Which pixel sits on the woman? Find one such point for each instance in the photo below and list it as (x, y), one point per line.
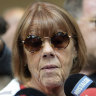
(48, 46)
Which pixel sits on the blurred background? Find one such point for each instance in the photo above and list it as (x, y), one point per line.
(7, 4)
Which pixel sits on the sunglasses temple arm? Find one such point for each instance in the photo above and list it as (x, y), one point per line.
(23, 41)
(70, 36)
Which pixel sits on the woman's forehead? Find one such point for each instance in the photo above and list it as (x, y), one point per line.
(46, 24)
(43, 30)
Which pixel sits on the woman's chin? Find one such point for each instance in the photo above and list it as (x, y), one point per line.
(51, 83)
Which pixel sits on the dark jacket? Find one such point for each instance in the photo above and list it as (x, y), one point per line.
(5, 61)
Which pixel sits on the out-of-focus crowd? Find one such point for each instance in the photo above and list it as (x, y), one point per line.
(8, 24)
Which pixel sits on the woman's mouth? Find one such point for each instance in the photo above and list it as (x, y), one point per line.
(49, 67)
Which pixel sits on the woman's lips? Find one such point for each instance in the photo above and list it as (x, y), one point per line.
(49, 67)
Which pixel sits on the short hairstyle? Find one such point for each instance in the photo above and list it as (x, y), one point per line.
(49, 18)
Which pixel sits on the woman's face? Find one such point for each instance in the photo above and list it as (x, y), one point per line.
(88, 25)
(50, 66)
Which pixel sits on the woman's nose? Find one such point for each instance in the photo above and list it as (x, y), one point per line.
(48, 51)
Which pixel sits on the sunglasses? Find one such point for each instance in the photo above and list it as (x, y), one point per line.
(34, 43)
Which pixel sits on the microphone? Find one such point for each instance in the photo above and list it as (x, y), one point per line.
(29, 92)
(77, 83)
(89, 92)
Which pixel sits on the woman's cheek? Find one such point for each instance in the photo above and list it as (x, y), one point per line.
(33, 64)
(66, 67)
(66, 60)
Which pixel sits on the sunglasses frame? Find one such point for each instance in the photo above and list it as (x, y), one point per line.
(42, 39)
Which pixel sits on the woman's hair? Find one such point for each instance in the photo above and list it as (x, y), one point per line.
(43, 19)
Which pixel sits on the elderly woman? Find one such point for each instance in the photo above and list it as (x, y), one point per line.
(48, 46)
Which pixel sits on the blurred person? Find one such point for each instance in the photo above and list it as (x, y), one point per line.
(12, 16)
(74, 7)
(5, 57)
(3, 26)
(48, 47)
(87, 24)
(88, 28)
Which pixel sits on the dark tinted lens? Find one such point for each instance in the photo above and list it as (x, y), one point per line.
(60, 40)
(33, 43)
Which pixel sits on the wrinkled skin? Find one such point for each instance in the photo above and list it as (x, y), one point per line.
(50, 81)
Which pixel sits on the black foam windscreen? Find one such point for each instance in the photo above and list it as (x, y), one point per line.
(29, 92)
(77, 83)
